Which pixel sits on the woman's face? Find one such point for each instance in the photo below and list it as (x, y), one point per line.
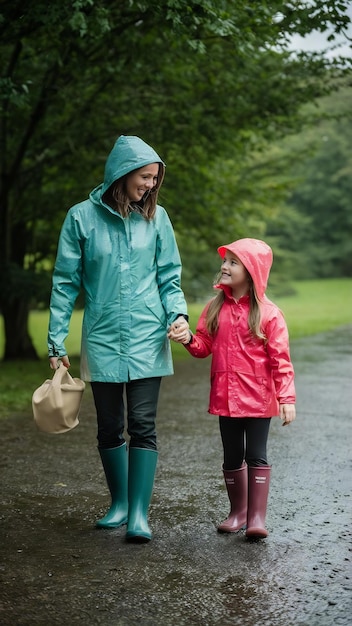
(141, 180)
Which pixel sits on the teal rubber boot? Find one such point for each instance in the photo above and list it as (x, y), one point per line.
(142, 466)
(115, 464)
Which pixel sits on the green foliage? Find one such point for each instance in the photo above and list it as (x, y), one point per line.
(325, 196)
(202, 81)
(314, 225)
(26, 281)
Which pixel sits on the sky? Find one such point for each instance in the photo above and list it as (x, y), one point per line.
(317, 42)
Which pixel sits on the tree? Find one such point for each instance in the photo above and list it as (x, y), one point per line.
(196, 78)
(313, 223)
(324, 196)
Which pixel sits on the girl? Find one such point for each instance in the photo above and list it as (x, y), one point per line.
(252, 377)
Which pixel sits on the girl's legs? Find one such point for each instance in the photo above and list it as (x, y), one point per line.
(257, 431)
(245, 438)
(235, 473)
(232, 432)
(258, 476)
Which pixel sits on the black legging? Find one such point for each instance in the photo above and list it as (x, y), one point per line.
(244, 438)
(142, 400)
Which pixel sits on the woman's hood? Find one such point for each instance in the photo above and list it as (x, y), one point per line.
(256, 256)
(129, 153)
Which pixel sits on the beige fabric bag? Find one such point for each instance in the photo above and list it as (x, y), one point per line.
(56, 402)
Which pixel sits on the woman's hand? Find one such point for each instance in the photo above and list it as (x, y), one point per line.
(287, 413)
(179, 330)
(184, 338)
(54, 361)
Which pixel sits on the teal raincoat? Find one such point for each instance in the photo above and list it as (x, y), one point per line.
(130, 273)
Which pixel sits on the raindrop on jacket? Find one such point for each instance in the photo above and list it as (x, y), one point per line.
(130, 273)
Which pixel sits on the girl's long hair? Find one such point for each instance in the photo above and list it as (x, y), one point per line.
(254, 317)
(116, 197)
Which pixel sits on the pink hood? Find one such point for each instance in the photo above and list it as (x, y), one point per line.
(256, 256)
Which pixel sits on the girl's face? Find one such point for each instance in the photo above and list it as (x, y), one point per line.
(234, 274)
(141, 180)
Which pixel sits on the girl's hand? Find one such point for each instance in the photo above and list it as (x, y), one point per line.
(287, 413)
(54, 361)
(185, 338)
(179, 330)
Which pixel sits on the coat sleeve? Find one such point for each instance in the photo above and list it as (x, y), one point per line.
(202, 343)
(169, 269)
(280, 361)
(66, 284)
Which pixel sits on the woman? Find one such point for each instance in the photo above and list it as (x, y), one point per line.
(120, 248)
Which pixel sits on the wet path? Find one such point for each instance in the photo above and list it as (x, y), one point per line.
(57, 569)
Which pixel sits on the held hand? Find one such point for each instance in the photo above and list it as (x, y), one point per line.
(287, 413)
(180, 323)
(185, 338)
(54, 361)
(179, 330)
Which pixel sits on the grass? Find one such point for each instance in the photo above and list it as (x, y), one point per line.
(317, 306)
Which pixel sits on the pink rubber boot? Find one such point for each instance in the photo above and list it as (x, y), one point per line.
(236, 482)
(258, 490)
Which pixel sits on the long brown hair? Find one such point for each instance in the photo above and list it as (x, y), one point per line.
(116, 197)
(254, 317)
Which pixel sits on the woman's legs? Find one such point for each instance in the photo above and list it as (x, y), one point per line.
(108, 399)
(142, 401)
(131, 489)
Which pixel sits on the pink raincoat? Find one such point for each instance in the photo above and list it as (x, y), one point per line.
(249, 377)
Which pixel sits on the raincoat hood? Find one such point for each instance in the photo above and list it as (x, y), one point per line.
(129, 153)
(256, 256)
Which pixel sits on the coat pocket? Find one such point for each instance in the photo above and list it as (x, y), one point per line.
(156, 308)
